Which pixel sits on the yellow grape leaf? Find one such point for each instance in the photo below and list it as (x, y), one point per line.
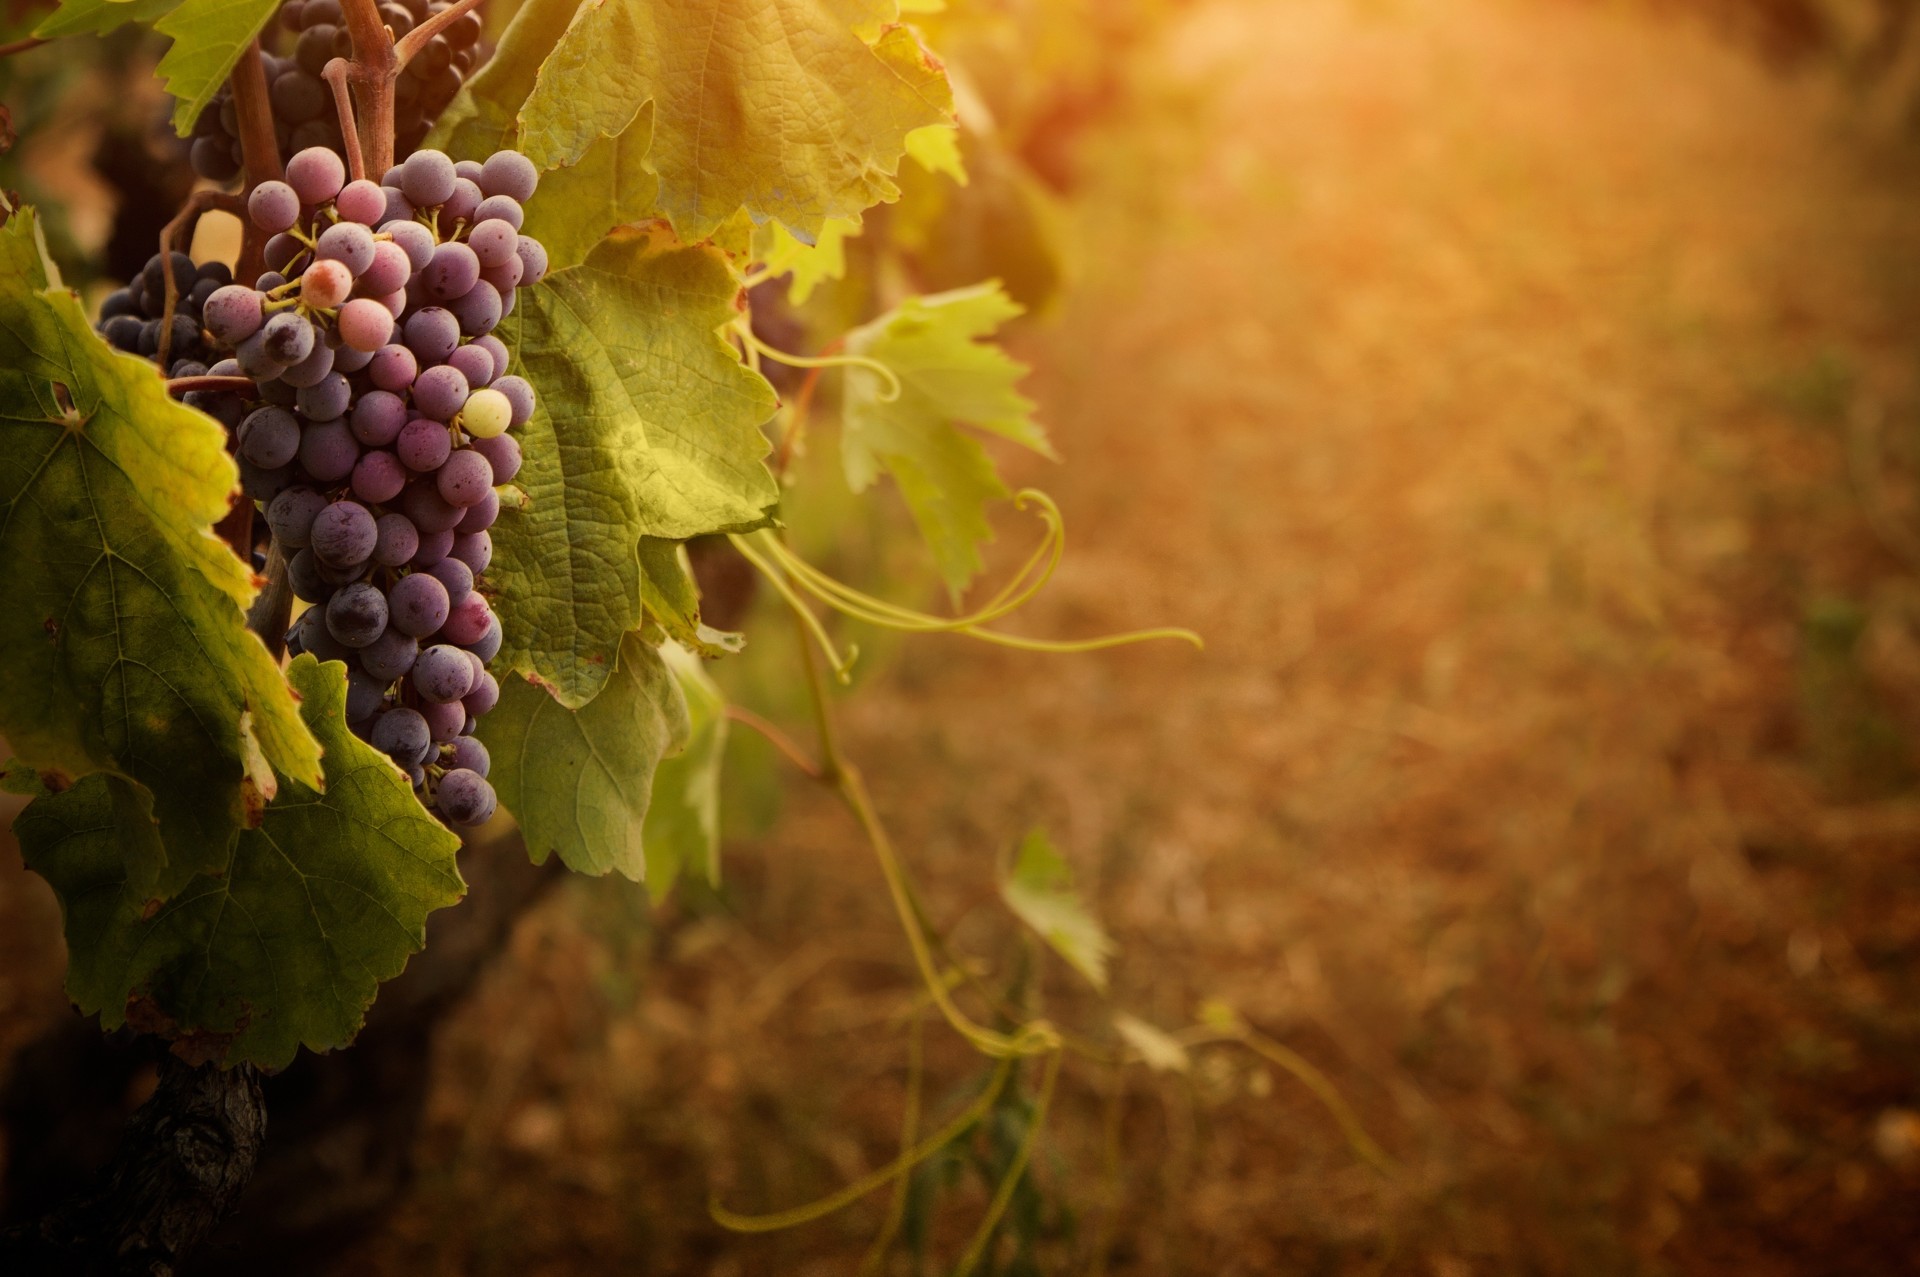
(1160, 1052)
(1040, 893)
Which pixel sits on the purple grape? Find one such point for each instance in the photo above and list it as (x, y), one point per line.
(278, 393)
(441, 674)
(469, 169)
(415, 240)
(365, 324)
(402, 734)
(234, 313)
(479, 668)
(492, 241)
(431, 333)
(261, 483)
(433, 548)
(365, 695)
(423, 445)
(287, 338)
(419, 604)
(475, 549)
(467, 620)
(487, 646)
(503, 208)
(362, 202)
(465, 798)
(343, 534)
(478, 310)
(443, 721)
(348, 243)
(399, 207)
(480, 515)
(347, 359)
(519, 394)
(498, 349)
(453, 270)
(511, 174)
(393, 368)
(326, 398)
(343, 575)
(316, 175)
(460, 205)
(468, 754)
(273, 207)
(423, 504)
(357, 614)
(439, 392)
(456, 576)
(395, 302)
(463, 480)
(253, 360)
(269, 437)
(533, 256)
(378, 477)
(392, 176)
(281, 252)
(389, 273)
(475, 363)
(484, 695)
(326, 283)
(311, 370)
(390, 656)
(427, 178)
(303, 574)
(379, 415)
(505, 277)
(503, 453)
(291, 515)
(398, 540)
(268, 281)
(328, 451)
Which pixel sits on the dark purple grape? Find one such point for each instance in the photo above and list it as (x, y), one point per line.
(399, 207)
(398, 541)
(423, 504)
(378, 417)
(390, 271)
(478, 310)
(343, 534)
(503, 453)
(533, 256)
(273, 207)
(402, 735)
(123, 332)
(415, 240)
(475, 363)
(312, 370)
(419, 604)
(318, 640)
(475, 549)
(348, 243)
(480, 515)
(393, 368)
(511, 174)
(467, 754)
(298, 97)
(212, 158)
(312, 52)
(431, 333)
(487, 646)
(390, 656)
(269, 437)
(483, 696)
(261, 483)
(365, 695)
(277, 393)
(291, 515)
(253, 360)
(347, 359)
(281, 252)
(378, 477)
(423, 445)
(303, 574)
(456, 576)
(325, 399)
(505, 277)
(443, 721)
(441, 674)
(357, 614)
(465, 798)
(461, 204)
(454, 269)
(328, 451)
(498, 349)
(439, 392)
(519, 394)
(288, 338)
(427, 177)
(463, 480)
(316, 174)
(233, 313)
(362, 202)
(467, 620)
(433, 547)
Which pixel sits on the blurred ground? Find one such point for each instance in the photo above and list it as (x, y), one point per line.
(1520, 399)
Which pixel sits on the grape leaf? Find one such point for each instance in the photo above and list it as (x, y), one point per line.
(123, 637)
(672, 599)
(947, 378)
(809, 265)
(778, 106)
(1040, 892)
(77, 17)
(936, 148)
(287, 945)
(661, 439)
(1161, 1052)
(579, 780)
(682, 831)
(208, 36)
(1002, 224)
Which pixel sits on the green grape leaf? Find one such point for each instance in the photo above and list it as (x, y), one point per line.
(208, 36)
(579, 780)
(98, 17)
(672, 599)
(1161, 1052)
(1040, 892)
(287, 945)
(124, 634)
(1003, 224)
(809, 265)
(947, 378)
(682, 831)
(662, 438)
(936, 149)
(797, 110)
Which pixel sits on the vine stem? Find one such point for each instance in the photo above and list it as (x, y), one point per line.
(183, 385)
(267, 618)
(373, 70)
(337, 73)
(410, 44)
(170, 236)
(21, 46)
(777, 738)
(259, 150)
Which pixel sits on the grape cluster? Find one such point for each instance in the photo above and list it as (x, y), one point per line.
(384, 429)
(303, 111)
(132, 318)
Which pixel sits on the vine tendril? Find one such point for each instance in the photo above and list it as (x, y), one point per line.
(889, 392)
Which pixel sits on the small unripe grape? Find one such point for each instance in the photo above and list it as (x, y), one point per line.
(326, 284)
(487, 414)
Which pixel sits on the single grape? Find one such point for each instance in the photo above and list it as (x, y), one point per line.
(502, 208)
(315, 174)
(233, 313)
(365, 695)
(348, 243)
(269, 280)
(511, 174)
(357, 614)
(415, 240)
(468, 754)
(431, 333)
(505, 277)
(433, 547)
(469, 169)
(328, 451)
(456, 576)
(281, 252)
(316, 638)
(123, 332)
(392, 176)
(303, 574)
(389, 273)
(291, 515)
(273, 207)
(399, 208)
(479, 310)
(498, 349)
(461, 204)
(343, 575)
(423, 504)
(533, 256)
(493, 241)
(487, 646)
(454, 269)
(465, 798)
(402, 734)
(269, 437)
(311, 52)
(467, 620)
(253, 360)
(423, 445)
(326, 398)
(298, 97)
(277, 393)
(441, 674)
(502, 452)
(393, 368)
(212, 158)
(463, 480)
(312, 370)
(439, 392)
(482, 697)
(377, 418)
(365, 324)
(519, 394)
(427, 178)
(480, 515)
(288, 338)
(362, 202)
(486, 414)
(378, 477)
(419, 604)
(395, 302)
(398, 541)
(119, 302)
(343, 534)
(326, 283)
(475, 363)
(444, 721)
(390, 656)
(475, 549)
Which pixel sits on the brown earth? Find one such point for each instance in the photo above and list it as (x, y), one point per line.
(1518, 397)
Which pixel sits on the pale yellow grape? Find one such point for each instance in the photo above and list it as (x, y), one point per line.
(486, 414)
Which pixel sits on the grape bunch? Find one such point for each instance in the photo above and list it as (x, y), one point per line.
(384, 428)
(132, 318)
(303, 111)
